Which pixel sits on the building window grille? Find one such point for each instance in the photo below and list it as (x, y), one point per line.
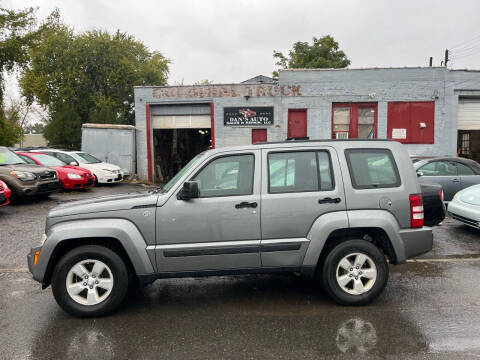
(465, 144)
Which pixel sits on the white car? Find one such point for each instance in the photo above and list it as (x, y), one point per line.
(465, 206)
(104, 172)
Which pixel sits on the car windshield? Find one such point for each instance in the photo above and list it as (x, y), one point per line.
(47, 160)
(87, 158)
(8, 157)
(174, 180)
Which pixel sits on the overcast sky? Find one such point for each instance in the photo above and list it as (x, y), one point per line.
(230, 41)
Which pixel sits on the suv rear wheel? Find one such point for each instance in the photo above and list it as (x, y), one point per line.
(354, 272)
(90, 281)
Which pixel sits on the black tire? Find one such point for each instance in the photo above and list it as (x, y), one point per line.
(329, 272)
(94, 252)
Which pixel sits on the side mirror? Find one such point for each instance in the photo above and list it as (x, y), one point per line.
(419, 173)
(189, 191)
(74, 163)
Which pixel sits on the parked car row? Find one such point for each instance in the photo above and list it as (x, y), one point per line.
(40, 172)
(460, 181)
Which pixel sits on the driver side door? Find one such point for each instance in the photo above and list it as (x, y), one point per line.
(219, 230)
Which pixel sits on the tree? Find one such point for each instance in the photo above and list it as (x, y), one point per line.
(10, 128)
(87, 77)
(17, 34)
(323, 53)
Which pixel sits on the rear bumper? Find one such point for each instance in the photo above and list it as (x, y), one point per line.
(417, 241)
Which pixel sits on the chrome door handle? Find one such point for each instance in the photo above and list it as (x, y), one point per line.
(456, 180)
(329, 200)
(245, 204)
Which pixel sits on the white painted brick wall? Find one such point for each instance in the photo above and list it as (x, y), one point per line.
(320, 88)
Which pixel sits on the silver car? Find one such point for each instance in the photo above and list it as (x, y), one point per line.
(453, 173)
(465, 206)
(336, 211)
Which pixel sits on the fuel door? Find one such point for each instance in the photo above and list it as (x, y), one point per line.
(385, 203)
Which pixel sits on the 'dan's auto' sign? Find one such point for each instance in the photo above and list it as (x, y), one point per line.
(248, 116)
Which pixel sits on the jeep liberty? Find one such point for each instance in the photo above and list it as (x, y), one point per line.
(335, 210)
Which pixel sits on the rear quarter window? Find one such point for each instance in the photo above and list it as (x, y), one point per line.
(372, 168)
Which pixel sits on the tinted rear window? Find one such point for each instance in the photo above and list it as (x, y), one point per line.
(372, 168)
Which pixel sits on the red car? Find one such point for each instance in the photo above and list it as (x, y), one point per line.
(5, 193)
(71, 177)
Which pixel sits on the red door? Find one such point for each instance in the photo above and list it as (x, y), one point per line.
(259, 135)
(297, 123)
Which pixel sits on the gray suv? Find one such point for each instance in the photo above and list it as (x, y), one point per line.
(337, 211)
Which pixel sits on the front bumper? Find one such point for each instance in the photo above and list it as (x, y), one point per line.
(82, 183)
(465, 213)
(417, 241)
(37, 270)
(110, 178)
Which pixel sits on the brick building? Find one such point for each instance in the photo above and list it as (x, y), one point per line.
(433, 110)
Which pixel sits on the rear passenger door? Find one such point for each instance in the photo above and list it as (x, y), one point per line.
(298, 186)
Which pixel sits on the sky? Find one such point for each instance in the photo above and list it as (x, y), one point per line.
(228, 41)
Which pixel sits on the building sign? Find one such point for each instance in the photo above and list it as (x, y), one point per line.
(399, 134)
(248, 116)
(213, 91)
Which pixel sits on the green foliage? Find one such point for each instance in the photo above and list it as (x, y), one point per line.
(323, 53)
(17, 34)
(87, 77)
(203, 82)
(10, 128)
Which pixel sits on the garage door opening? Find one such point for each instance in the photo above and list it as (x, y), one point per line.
(173, 148)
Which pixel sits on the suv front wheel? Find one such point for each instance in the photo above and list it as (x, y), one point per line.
(90, 281)
(354, 272)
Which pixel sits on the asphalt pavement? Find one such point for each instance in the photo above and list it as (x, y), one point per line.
(430, 308)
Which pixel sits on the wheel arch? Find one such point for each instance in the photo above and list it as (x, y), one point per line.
(69, 244)
(119, 235)
(376, 226)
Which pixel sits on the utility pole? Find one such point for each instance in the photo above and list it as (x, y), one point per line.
(446, 57)
(431, 61)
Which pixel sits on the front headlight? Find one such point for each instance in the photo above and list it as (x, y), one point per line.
(23, 175)
(73, 176)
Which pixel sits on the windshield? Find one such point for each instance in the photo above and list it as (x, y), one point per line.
(174, 180)
(47, 160)
(87, 158)
(8, 157)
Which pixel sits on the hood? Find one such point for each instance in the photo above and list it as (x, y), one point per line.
(100, 166)
(105, 203)
(36, 169)
(71, 169)
(471, 195)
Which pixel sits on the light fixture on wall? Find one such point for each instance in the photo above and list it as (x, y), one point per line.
(247, 97)
(436, 94)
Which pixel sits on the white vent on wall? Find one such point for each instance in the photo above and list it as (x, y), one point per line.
(341, 135)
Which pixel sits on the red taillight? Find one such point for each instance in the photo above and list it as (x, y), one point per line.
(440, 194)
(416, 210)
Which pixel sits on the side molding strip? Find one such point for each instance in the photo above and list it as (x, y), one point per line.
(229, 247)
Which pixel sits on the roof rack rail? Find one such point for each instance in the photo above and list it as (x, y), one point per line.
(297, 138)
(319, 140)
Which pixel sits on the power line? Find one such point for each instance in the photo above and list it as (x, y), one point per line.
(477, 37)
